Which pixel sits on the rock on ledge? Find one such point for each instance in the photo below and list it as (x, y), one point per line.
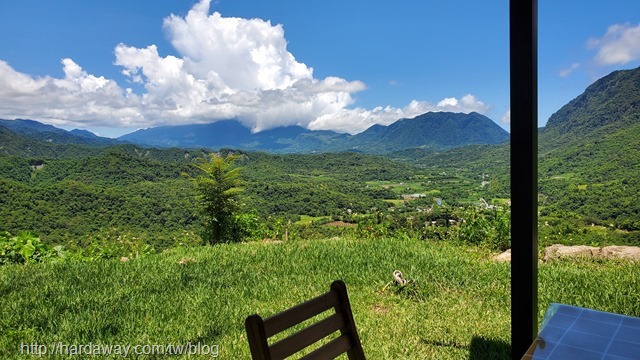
(558, 251)
(621, 252)
(504, 257)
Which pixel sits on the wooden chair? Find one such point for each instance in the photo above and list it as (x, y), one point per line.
(259, 330)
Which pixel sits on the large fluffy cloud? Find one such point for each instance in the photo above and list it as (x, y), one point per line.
(618, 46)
(230, 68)
(224, 68)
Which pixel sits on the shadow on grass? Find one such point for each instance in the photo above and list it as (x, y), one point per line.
(450, 344)
(485, 349)
(479, 349)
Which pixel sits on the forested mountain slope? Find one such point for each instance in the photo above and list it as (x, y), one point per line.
(610, 104)
(590, 153)
(589, 156)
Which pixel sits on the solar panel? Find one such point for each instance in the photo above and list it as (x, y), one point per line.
(570, 332)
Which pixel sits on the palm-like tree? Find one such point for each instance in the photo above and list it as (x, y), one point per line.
(219, 185)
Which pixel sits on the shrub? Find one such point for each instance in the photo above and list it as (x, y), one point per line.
(27, 248)
(489, 229)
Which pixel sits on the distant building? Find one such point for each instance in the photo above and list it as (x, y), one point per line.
(413, 196)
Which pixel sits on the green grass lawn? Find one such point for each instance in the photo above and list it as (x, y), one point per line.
(458, 307)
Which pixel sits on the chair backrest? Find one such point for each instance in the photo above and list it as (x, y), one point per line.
(260, 330)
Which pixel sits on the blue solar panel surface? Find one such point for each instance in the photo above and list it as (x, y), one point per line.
(570, 332)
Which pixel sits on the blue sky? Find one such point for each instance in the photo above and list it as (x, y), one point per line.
(113, 66)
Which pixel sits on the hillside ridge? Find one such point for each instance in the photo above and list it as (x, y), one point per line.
(437, 130)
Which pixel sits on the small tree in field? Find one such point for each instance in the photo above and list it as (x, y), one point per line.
(219, 185)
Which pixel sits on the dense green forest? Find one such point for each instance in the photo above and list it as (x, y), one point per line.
(67, 196)
(110, 201)
(126, 200)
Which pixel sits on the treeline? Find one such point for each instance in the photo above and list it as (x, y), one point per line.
(144, 193)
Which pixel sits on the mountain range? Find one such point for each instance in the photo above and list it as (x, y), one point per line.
(43, 132)
(435, 131)
(441, 130)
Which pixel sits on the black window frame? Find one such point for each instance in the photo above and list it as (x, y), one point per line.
(523, 55)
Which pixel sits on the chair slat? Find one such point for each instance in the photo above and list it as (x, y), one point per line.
(330, 350)
(303, 338)
(300, 313)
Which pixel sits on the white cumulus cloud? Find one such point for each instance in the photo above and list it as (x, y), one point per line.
(247, 54)
(506, 117)
(618, 46)
(224, 68)
(78, 96)
(566, 72)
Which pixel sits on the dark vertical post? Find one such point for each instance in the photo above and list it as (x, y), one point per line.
(523, 38)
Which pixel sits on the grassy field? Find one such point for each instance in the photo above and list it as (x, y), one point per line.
(456, 308)
(307, 220)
